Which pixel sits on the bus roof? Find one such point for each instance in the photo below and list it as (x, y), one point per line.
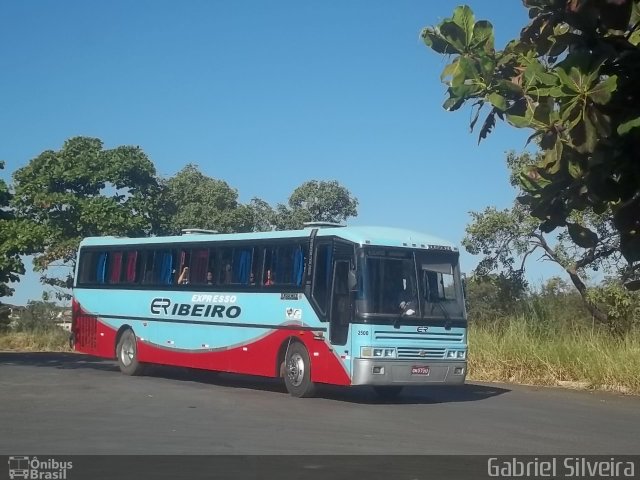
(378, 236)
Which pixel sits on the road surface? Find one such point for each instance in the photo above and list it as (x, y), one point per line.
(64, 403)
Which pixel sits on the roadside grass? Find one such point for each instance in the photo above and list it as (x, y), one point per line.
(49, 340)
(518, 351)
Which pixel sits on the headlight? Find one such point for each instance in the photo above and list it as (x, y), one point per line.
(375, 352)
(459, 354)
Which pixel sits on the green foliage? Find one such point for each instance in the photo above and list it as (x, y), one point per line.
(263, 216)
(572, 79)
(317, 201)
(5, 310)
(588, 243)
(621, 305)
(199, 201)
(15, 240)
(39, 315)
(493, 297)
(84, 190)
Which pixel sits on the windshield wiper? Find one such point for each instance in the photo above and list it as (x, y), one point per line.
(445, 313)
(407, 311)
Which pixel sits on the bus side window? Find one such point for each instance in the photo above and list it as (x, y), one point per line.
(146, 267)
(211, 267)
(88, 267)
(226, 261)
(256, 267)
(184, 259)
(269, 271)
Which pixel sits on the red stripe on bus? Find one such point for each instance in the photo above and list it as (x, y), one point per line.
(257, 358)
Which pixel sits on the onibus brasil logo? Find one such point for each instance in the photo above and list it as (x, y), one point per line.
(38, 469)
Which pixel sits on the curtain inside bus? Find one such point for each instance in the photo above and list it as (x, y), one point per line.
(242, 265)
(132, 258)
(199, 265)
(115, 267)
(102, 267)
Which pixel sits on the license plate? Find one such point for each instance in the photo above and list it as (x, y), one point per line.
(419, 370)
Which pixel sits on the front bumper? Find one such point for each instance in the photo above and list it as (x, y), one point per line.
(398, 372)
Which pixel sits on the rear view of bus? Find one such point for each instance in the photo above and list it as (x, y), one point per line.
(335, 305)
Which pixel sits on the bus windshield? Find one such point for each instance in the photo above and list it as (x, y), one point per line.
(413, 284)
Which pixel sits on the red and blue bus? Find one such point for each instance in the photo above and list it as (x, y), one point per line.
(322, 305)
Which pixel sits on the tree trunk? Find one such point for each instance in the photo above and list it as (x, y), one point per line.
(598, 314)
(572, 271)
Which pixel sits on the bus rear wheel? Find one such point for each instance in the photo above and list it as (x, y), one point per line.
(127, 354)
(387, 392)
(297, 371)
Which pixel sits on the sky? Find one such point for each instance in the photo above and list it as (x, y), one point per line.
(263, 95)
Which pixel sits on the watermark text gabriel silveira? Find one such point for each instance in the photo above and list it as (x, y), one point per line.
(560, 467)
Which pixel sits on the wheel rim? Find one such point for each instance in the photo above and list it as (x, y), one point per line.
(128, 351)
(295, 369)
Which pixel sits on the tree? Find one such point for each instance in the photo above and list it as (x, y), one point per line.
(508, 238)
(621, 306)
(572, 79)
(494, 296)
(39, 315)
(84, 190)
(199, 201)
(263, 215)
(316, 201)
(15, 240)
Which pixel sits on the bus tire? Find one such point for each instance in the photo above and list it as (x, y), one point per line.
(388, 392)
(127, 354)
(297, 371)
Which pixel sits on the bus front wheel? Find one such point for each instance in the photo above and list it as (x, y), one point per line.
(127, 354)
(297, 371)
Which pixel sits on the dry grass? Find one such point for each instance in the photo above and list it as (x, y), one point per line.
(586, 359)
(35, 341)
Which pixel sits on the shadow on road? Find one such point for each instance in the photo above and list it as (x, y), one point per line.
(364, 395)
(65, 360)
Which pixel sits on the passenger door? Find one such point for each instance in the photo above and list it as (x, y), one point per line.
(340, 310)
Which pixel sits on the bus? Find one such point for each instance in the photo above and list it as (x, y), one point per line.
(326, 304)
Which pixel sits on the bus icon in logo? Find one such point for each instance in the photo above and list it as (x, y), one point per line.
(18, 467)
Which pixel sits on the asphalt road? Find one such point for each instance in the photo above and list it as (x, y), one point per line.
(75, 404)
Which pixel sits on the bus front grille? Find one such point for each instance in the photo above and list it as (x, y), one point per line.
(418, 353)
(448, 337)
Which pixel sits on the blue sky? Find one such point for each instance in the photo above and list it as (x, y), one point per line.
(264, 95)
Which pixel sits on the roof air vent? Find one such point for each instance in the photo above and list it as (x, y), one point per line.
(322, 225)
(189, 231)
